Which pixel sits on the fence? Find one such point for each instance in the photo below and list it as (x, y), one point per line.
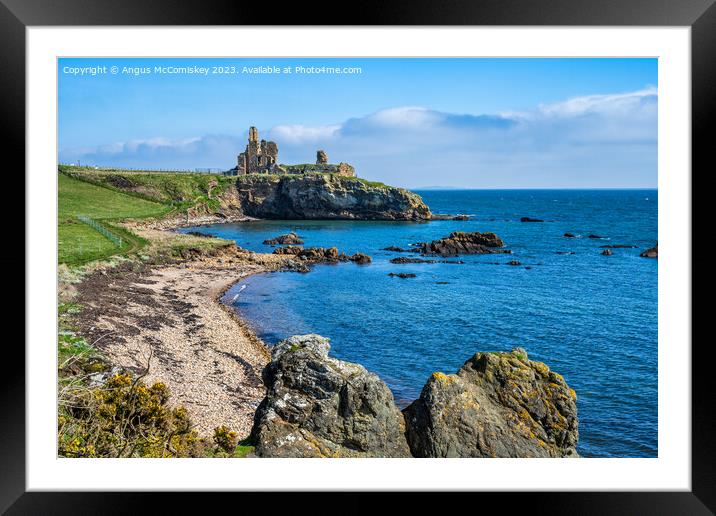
(101, 229)
(203, 170)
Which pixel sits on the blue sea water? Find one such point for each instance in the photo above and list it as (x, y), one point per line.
(590, 317)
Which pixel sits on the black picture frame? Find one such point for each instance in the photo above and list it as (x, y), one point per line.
(700, 15)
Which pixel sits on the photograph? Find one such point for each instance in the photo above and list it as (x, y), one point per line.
(357, 257)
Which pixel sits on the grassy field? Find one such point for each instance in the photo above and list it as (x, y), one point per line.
(78, 242)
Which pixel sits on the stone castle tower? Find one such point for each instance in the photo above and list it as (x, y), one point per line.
(259, 157)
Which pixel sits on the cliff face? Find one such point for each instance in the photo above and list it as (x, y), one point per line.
(316, 196)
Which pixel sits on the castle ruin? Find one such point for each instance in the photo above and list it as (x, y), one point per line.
(258, 158)
(261, 157)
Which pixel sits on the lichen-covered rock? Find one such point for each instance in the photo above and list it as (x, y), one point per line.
(497, 405)
(326, 196)
(461, 242)
(317, 406)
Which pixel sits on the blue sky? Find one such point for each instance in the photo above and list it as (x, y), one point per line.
(474, 123)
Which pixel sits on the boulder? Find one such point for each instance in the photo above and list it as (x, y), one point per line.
(318, 406)
(288, 239)
(652, 252)
(361, 258)
(607, 252)
(461, 242)
(497, 405)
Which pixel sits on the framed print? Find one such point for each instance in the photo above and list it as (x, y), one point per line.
(418, 252)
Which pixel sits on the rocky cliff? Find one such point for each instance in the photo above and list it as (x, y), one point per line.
(497, 405)
(325, 196)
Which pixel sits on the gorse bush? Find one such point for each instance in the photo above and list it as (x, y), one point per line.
(125, 418)
(225, 439)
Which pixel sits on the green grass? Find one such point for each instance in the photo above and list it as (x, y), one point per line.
(81, 198)
(177, 190)
(78, 243)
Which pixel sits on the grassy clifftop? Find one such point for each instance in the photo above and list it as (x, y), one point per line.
(178, 190)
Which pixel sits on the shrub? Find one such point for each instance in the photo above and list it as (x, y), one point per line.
(225, 439)
(124, 418)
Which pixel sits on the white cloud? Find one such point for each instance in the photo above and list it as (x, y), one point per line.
(302, 133)
(619, 104)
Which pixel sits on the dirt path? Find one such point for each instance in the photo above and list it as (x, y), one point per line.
(209, 359)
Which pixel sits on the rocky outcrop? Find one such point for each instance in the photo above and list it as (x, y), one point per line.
(288, 239)
(322, 255)
(652, 252)
(460, 242)
(361, 259)
(317, 406)
(325, 196)
(497, 405)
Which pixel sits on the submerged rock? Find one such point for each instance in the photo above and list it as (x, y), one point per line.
(607, 252)
(596, 236)
(652, 252)
(530, 219)
(497, 405)
(403, 259)
(569, 235)
(461, 242)
(402, 274)
(514, 262)
(288, 239)
(317, 406)
(397, 249)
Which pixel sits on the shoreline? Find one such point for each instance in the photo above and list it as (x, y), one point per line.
(170, 316)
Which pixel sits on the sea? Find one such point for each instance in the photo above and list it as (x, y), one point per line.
(590, 317)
